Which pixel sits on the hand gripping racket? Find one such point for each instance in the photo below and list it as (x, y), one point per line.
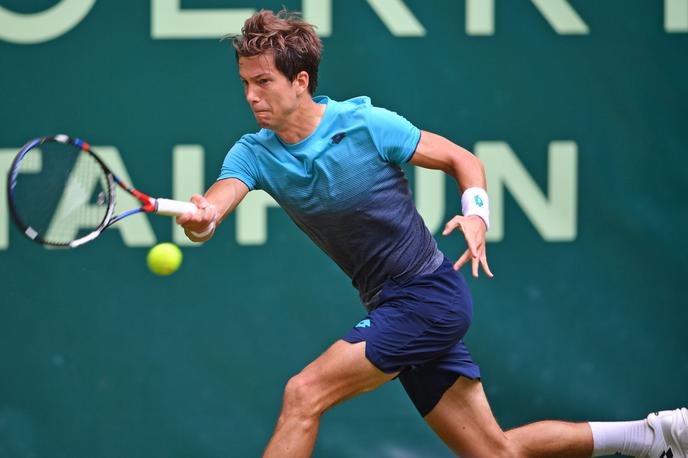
(71, 200)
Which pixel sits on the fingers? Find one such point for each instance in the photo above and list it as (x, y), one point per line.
(448, 227)
(200, 201)
(459, 222)
(486, 268)
(473, 246)
(473, 229)
(201, 220)
(476, 264)
(462, 260)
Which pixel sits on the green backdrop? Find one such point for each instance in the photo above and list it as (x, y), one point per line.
(100, 358)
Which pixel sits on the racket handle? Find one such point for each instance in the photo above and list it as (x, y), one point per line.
(173, 207)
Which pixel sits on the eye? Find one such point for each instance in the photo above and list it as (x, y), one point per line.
(263, 81)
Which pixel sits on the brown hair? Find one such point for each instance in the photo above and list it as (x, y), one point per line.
(292, 41)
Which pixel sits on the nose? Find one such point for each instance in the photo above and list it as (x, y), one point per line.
(251, 95)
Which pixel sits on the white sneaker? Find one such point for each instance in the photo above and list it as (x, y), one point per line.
(671, 434)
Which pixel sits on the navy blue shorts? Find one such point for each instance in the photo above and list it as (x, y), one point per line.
(417, 330)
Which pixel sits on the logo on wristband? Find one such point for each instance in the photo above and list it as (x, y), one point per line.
(478, 201)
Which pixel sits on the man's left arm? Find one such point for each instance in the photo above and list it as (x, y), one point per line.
(436, 152)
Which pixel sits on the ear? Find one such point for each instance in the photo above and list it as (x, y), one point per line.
(301, 82)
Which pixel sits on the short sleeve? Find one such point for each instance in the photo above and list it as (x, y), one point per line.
(240, 163)
(394, 136)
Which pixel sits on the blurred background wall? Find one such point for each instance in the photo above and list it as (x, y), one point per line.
(579, 110)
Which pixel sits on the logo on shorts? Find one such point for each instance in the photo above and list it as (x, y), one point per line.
(363, 324)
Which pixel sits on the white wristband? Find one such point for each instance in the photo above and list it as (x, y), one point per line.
(474, 201)
(200, 235)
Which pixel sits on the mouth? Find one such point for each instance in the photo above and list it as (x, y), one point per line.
(262, 117)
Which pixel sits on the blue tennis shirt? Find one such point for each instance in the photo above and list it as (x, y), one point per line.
(343, 186)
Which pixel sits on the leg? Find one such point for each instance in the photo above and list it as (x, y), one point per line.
(342, 372)
(464, 421)
(553, 438)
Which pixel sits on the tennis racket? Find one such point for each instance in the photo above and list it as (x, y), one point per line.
(62, 194)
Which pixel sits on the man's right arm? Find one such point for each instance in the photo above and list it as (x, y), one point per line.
(219, 201)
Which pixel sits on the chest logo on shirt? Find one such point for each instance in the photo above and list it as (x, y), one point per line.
(336, 138)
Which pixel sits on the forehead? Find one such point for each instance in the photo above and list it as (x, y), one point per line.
(252, 66)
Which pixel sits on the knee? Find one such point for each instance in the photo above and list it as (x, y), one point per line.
(301, 398)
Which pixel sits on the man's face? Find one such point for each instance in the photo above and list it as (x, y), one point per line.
(271, 96)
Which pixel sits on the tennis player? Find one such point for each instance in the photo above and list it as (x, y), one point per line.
(334, 168)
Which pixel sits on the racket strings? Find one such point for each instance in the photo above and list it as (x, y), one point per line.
(61, 192)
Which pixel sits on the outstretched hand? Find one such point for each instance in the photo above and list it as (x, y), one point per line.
(473, 229)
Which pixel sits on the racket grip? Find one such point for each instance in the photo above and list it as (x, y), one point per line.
(173, 207)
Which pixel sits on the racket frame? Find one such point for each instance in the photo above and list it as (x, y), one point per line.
(149, 204)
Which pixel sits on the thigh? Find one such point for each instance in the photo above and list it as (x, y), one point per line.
(426, 383)
(342, 372)
(464, 421)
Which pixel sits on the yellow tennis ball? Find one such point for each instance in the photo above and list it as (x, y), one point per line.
(164, 258)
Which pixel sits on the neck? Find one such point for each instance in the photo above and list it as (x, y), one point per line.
(302, 121)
